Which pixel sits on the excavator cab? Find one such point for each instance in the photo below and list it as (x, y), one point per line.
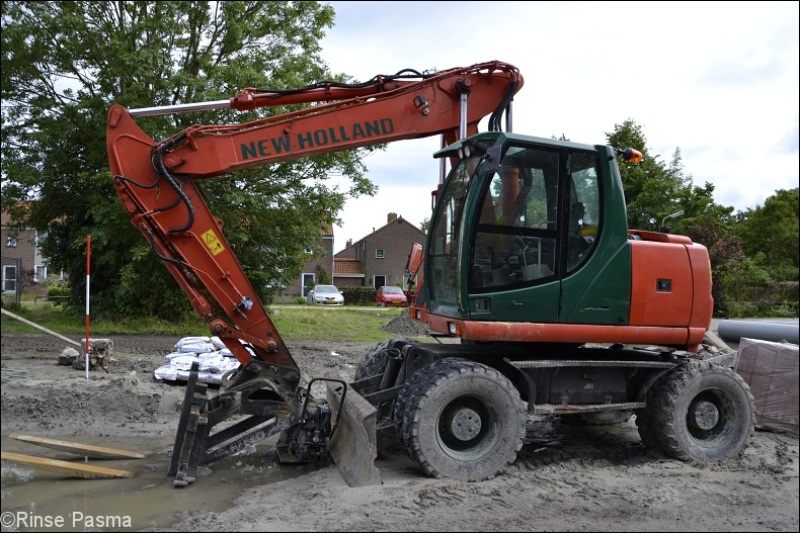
(525, 230)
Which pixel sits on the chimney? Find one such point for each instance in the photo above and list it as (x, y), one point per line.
(392, 218)
(349, 243)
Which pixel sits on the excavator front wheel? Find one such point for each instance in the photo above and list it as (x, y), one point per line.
(461, 419)
(700, 412)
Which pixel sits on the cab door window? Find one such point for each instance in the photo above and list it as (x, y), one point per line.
(514, 240)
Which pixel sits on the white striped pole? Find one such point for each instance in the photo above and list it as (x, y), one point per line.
(88, 257)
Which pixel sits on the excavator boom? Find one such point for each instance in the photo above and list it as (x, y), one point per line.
(156, 182)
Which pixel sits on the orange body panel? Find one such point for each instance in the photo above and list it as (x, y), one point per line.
(561, 333)
(669, 263)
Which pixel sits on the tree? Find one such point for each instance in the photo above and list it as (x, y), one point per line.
(425, 226)
(772, 230)
(64, 63)
(654, 190)
(650, 188)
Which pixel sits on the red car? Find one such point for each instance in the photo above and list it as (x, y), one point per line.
(391, 296)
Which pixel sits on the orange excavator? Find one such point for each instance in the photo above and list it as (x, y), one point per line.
(529, 270)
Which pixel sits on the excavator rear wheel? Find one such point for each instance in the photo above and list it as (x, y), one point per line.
(462, 420)
(647, 432)
(700, 412)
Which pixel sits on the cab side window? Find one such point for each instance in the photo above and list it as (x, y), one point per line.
(584, 209)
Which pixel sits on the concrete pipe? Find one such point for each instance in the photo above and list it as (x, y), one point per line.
(733, 330)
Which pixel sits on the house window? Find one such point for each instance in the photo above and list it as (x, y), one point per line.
(11, 242)
(379, 253)
(9, 279)
(39, 273)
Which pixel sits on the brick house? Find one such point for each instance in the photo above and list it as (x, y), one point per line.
(24, 268)
(308, 277)
(380, 258)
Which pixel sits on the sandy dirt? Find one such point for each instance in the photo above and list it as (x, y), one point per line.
(565, 478)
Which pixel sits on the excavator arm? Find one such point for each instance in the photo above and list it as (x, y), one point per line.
(156, 184)
(155, 180)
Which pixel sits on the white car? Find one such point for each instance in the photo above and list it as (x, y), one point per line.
(325, 295)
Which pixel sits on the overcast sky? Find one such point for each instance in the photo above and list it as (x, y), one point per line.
(719, 80)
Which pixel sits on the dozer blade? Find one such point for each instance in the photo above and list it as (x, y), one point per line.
(354, 446)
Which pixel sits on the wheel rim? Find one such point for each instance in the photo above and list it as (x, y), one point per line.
(711, 417)
(467, 428)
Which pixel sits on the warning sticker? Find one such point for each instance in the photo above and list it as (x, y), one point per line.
(213, 242)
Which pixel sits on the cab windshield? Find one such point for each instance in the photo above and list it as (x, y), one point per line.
(446, 235)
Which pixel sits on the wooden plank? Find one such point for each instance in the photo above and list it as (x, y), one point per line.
(42, 328)
(80, 470)
(88, 450)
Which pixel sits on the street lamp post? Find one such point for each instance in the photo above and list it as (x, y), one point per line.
(664, 228)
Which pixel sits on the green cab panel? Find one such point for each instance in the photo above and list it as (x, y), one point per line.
(532, 304)
(599, 292)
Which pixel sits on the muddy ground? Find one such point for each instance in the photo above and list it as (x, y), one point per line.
(565, 478)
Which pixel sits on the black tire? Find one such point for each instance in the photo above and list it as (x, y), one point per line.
(399, 412)
(374, 362)
(647, 433)
(701, 412)
(462, 420)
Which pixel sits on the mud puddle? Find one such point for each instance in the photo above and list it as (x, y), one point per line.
(40, 500)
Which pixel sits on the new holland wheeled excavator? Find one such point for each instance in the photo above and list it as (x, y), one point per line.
(540, 298)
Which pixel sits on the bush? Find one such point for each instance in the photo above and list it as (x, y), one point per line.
(59, 289)
(358, 295)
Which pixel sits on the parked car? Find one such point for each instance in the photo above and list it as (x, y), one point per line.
(391, 296)
(325, 295)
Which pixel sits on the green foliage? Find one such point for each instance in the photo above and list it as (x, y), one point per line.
(66, 322)
(322, 276)
(358, 295)
(58, 292)
(754, 249)
(349, 324)
(425, 225)
(59, 289)
(649, 187)
(65, 63)
(773, 230)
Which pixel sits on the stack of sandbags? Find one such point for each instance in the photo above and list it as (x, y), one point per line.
(213, 358)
